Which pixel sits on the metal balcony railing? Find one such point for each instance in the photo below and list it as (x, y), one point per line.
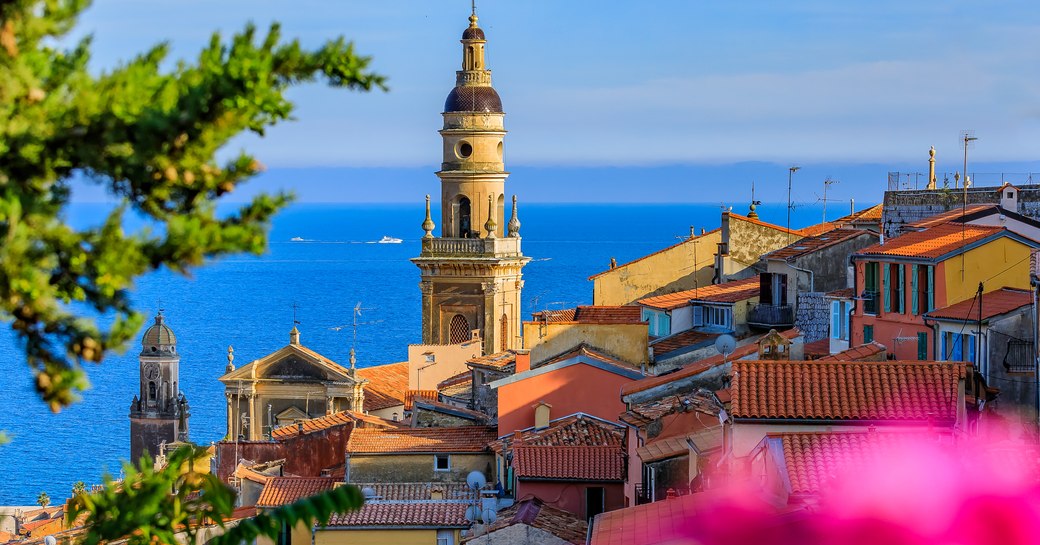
(771, 315)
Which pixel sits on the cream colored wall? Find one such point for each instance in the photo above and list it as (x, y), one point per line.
(332, 536)
(748, 241)
(627, 342)
(301, 535)
(1001, 263)
(388, 413)
(449, 360)
(667, 271)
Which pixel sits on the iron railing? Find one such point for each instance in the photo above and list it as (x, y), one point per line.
(771, 315)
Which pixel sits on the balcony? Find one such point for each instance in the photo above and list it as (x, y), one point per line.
(870, 302)
(471, 247)
(766, 316)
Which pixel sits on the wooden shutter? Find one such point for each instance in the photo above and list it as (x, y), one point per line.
(887, 287)
(922, 346)
(902, 289)
(913, 289)
(931, 288)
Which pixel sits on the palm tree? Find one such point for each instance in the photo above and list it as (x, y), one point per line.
(79, 488)
(43, 499)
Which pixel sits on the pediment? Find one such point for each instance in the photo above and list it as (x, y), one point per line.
(291, 414)
(291, 363)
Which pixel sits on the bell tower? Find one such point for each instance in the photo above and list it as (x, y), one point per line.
(471, 273)
(159, 412)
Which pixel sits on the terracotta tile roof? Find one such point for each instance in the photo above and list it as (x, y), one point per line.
(281, 491)
(665, 249)
(386, 385)
(459, 387)
(438, 406)
(417, 491)
(568, 463)
(933, 242)
(698, 367)
(873, 213)
(813, 460)
(727, 292)
(665, 521)
(321, 423)
(844, 293)
(761, 223)
(953, 215)
(837, 390)
(812, 244)
(641, 414)
(501, 361)
(994, 303)
(461, 378)
(817, 349)
(428, 514)
(819, 228)
(534, 513)
(578, 429)
(420, 440)
(411, 395)
(683, 339)
(589, 314)
(662, 449)
(858, 353)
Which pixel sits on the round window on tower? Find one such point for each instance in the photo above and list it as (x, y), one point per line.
(464, 149)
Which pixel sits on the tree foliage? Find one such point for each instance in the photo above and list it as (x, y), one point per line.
(171, 505)
(43, 500)
(149, 134)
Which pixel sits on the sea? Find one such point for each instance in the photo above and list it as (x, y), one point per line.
(250, 302)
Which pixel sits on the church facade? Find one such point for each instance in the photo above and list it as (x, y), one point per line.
(159, 412)
(471, 274)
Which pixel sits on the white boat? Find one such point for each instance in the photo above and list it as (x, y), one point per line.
(296, 239)
(390, 240)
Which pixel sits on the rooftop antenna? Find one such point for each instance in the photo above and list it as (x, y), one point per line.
(790, 175)
(295, 307)
(353, 345)
(754, 204)
(827, 182)
(968, 136)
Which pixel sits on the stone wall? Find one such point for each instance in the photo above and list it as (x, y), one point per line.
(903, 207)
(813, 316)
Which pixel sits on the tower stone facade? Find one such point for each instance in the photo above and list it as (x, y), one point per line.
(159, 412)
(471, 273)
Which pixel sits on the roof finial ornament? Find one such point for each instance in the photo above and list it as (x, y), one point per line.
(754, 204)
(427, 224)
(230, 359)
(473, 14)
(514, 222)
(490, 225)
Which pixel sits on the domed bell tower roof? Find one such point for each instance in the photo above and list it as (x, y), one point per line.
(473, 91)
(158, 337)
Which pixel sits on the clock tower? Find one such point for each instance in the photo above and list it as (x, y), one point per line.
(471, 273)
(159, 412)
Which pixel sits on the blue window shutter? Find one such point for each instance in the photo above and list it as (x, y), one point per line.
(836, 320)
(888, 288)
(902, 288)
(931, 288)
(971, 349)
(913, 289)
(957, 354)
(943, 348)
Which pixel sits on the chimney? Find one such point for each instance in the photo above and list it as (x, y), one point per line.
(436, 494)
(541, 415)
(523, 361)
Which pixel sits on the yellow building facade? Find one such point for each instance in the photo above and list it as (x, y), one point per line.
(471, 274)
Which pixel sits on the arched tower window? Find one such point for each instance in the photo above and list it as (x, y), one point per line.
(151, 391)
(465, 218)
(504, 334)
(458, 329)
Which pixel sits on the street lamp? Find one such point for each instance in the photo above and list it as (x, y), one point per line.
(790, 175)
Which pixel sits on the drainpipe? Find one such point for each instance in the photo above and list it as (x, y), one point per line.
(1035, 283)
(812, 278)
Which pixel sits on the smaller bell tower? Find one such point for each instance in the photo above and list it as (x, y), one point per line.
(159, 412)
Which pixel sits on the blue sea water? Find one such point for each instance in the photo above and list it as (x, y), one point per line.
(246, 301)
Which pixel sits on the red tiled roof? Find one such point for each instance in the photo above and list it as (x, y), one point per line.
(857, 353)
(589, 314)
(386, 385)
(873, 213)
(568, 463)
(837, 390)
(686, 338)
(578, 430)
(665, 249)
(665, 521)
(698, 367)
(994, 303)
(583, 350)
(341, 418)
(503, 361)
(727, 292)
(813, 459)
(281, 491)
(420, 440)
(412, 395)
(819, 228)
(534, 513)
(417, 491)
(454, 380)
(817, 349)
(948, 217)
(432, 514)
(933, 242)
(641, 414)
(811, 244)
(844, 293)
(437, 406)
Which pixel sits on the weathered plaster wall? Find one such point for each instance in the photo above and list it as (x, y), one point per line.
(679, 267)
(627, 342)
(415, 468)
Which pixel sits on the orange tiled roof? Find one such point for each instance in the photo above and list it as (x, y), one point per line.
(417, 491)
(573, 430)
(321, 423)
(727, 292)
(844, 293)
(683, 339)
(994, 303)
(459, 386)
(857, 353)
(454, 380)
(698, 367)
(665, 249)
(411, 514)
(817, 349)
(420, 440)
(386, 385)
(590, 314)
(665, 521)
(412, 395)
(281, 491)
(815, 243)
(933, 242)
(504, 361)
(873, 213)
(534, 513)
(438, 406)
(948, 217)
(813, 459)
(819, 228)
(568, 463)
(641, 414)
(837, 390)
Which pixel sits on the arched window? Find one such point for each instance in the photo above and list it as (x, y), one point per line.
(465, 218)
(151, 391)
(458, 329)
(504, 334)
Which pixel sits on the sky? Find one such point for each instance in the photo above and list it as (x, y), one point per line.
(684, 99)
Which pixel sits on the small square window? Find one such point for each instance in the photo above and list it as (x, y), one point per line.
(441, 462)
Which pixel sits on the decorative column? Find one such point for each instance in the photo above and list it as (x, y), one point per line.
(426, 287)
(491, 335)
(230, 418)
(254, 420)
(330, 404)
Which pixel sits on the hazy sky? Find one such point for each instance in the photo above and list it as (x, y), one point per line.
(598, 83)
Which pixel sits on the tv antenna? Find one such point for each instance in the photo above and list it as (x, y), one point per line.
(354, 325)
(295, 307)
(827, 182)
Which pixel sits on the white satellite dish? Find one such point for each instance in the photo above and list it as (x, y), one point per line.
(725, 344)
(473, 513)
(475, 480)
(368, 492)
(490, 516)
(49, 540)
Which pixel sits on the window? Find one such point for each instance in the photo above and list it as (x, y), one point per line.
(840, 320)
(868, 333)
(922, 346)
(458, 329)
(465, 219)
(504, 333)
(894, 299)
(595, 501)
(773, 289)
(958, 346)
(870, 288)
(718, 316)
(441, 462)
(659, 322)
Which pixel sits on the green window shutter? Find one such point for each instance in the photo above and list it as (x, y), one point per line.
(913, 289)
(868, 333)
(887, 287)
(922, 346)
(902, 287)
(931, 288)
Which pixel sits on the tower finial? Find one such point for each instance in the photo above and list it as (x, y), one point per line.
(514, 222)
(931, 168)
(490, 225)
(427, 224)
(473, 14)
(754, 204)
(230, 359)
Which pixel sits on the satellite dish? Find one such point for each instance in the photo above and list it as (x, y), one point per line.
(473, 513)
(49, 540)
(489, 515)
(475, 480)
(368, 492)
(725, 344)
